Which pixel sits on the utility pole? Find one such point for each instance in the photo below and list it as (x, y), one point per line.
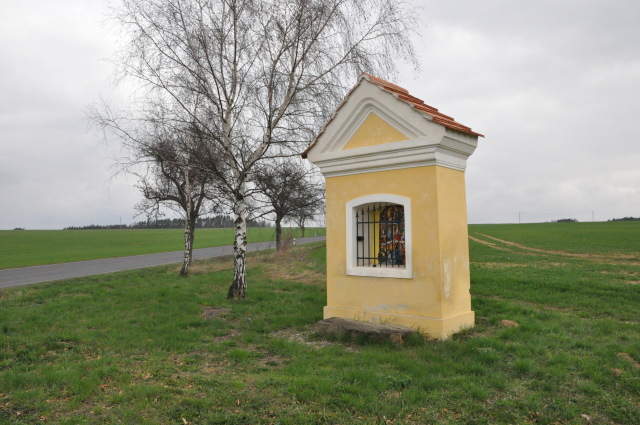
(519, 218)
(593, 217)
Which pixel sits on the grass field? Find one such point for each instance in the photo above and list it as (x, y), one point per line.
(591, 238)
(38, 247)
(146, 347)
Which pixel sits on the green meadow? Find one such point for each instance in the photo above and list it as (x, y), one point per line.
(20, 248)
(148, 347)
(611, 238)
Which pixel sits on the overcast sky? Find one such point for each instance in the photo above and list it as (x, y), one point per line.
(553, 85)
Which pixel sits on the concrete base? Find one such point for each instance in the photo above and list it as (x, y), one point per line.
(437, 328)
(373, 331)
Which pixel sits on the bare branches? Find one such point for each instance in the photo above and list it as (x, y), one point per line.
(287, 189)
(256, 78)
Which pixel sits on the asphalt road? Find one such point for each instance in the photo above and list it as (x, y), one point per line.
(37, 274)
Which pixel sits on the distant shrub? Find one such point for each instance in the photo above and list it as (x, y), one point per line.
(567, 220)
(19, 228)
(626, 219)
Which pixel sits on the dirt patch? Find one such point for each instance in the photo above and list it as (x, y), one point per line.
(627, 357)
(233, 334)
(210, 313)
(214, 369)
(303, 337)
(273, 360)
(509, 323)
(214, 312)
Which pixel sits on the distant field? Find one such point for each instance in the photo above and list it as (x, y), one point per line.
(20, 248)
(620, 237)
(590, 266)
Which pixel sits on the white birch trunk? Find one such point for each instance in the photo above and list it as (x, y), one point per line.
(238, 288)
(188, 229)
(188, 247)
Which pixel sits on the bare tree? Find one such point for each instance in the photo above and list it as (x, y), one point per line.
(311, 211)
(265, 73)
(161, 154)
(172, 181)
(287, 191)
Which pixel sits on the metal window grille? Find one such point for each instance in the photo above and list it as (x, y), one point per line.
(380, 235)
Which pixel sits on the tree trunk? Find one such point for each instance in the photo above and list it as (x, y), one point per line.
(193, 238)
(302, 230)
(189, 225)
(278, 233)
(238, 288)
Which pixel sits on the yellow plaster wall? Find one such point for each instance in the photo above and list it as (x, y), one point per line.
(436, 299)
(454, 246)
(374, 131)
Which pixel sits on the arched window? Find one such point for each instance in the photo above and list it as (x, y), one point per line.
(379, 236)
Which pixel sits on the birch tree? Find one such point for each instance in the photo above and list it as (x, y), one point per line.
(172, 181)
(161, 151)
(266, 73)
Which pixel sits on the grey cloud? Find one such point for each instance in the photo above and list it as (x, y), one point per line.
(553, 86)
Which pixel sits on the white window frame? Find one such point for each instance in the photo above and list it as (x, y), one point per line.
(353, 269)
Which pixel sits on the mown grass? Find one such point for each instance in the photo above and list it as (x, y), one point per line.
(144, 347)
(38, 247)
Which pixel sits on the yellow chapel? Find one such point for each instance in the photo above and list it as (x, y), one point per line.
(397, 242)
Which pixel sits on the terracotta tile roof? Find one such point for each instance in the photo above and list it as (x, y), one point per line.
(403, 95)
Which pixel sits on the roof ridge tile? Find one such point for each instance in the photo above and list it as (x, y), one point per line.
(402, 95)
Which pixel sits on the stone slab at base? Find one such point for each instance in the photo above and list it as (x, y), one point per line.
(354, 328)
(431, 327)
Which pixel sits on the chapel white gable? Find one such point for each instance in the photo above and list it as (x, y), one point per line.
(426, 142)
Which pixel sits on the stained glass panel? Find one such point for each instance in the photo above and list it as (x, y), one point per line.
(391, 249)
(380, 238)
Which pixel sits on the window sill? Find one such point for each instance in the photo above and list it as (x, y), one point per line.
(393, 272)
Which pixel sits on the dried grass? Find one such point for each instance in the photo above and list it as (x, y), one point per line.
(303, 337)
(289, 263)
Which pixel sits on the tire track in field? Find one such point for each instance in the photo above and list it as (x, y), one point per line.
(601, 258)
(491, 245)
